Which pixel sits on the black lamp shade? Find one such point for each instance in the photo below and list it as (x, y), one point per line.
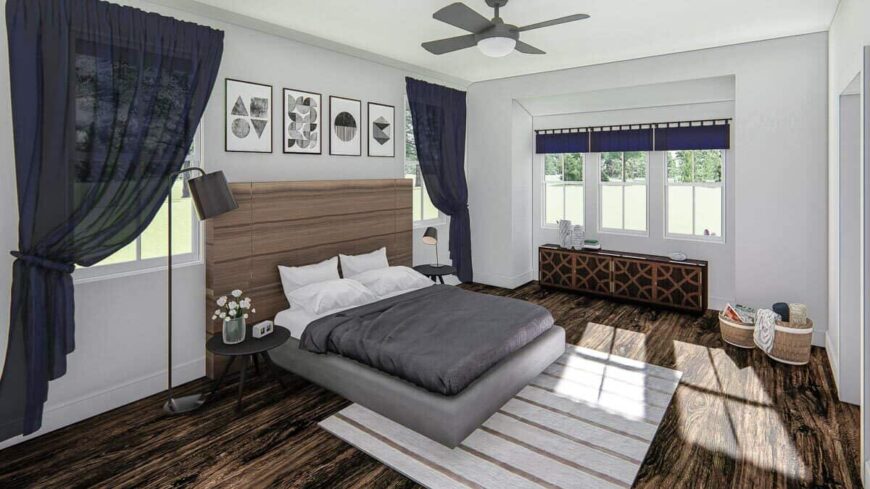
(430, 237)
(211, 195)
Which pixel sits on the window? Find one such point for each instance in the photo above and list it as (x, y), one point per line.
(694, 194)
(563, 188)
(149, 249)
(622, 200)
(423, 208)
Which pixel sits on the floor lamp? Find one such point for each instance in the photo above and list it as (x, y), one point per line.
(211, 197)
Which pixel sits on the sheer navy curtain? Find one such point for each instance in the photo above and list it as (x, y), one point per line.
(438, 115)
(105, 103)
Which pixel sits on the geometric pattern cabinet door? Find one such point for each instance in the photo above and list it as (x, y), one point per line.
(556, 268)
(592, 273)
(634, 279)
(680, 286)
(649, 279)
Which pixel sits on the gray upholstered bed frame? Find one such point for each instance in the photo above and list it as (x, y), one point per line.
(298, 223)
(447, 420)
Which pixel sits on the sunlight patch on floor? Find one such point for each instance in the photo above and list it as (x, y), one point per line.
(725, 408)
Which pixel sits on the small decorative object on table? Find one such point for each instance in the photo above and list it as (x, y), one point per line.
(262, 329)
(233, 311)
(677, 256)
(591, 244)
(565, 231)
(578, 234)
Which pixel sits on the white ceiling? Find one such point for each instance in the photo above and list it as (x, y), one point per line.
(618, 29)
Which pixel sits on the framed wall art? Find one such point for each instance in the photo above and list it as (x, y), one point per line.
(382, 120)
(303, 121)
(345, 139)
(248, 117)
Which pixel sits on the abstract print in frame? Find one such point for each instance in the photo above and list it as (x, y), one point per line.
(382, 119)
(346, 136)
(303, 119)
(248, 117)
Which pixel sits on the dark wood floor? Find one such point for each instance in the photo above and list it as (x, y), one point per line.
(737, 420)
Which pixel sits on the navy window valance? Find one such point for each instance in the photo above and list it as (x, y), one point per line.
(564, 142)
(622, 140)
(666, 136)
(713, 136)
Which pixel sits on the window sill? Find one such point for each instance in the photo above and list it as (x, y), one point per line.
(98, 276)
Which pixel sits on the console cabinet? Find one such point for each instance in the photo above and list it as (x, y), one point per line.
(649, 279)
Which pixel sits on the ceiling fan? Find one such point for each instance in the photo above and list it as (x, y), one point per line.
(493, 37)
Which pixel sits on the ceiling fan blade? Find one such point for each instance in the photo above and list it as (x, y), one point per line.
(462, 16)
(527, 49)
(560, 20)
(450, 44)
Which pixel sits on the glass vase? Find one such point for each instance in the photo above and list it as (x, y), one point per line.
(234, 331)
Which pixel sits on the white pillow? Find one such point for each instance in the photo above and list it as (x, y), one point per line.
(323, 297)
(294, 277)
(356, 264)
(392, 280)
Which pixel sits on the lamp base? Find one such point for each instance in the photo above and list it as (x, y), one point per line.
(181, 405)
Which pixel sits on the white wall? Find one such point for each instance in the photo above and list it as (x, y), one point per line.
(779, 142)
(120, 340)
(847, 37)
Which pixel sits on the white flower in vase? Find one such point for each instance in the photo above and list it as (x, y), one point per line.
(253, 311)
(232, 313)
(223, 315)
(222, 301)
(214, 317)
(245, 316)
(233, 305)
(237, 293)
(217, 311)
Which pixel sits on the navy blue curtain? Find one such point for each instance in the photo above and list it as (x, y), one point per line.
(622, 140)
(438, 115)
(105, 103)
(693, 137)
(566, 142)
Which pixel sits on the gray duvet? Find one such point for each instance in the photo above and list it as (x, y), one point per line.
(440, 338)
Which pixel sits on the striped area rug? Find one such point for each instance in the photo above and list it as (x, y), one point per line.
(586, 421)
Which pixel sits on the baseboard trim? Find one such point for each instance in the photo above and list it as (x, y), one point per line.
(72, 411)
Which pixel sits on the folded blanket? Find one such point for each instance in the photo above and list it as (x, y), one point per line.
(765, 329)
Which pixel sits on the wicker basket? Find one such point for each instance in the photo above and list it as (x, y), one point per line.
(792, 343)
(736, 333)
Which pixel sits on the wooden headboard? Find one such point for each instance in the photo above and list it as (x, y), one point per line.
(299, 223)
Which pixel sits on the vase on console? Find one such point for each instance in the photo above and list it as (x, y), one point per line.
(578, 235)
(565, 231)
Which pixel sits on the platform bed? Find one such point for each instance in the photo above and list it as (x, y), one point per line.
(445, 419)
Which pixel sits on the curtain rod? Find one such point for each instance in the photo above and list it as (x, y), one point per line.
(646, 125)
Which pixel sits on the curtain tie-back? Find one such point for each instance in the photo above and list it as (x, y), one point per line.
(44, 262)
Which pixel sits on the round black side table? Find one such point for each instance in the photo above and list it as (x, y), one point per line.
(436, 273)
(251, 348)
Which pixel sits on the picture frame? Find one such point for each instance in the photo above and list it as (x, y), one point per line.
(345, 136)
(302, 126)
(381, 130)
(247, 117)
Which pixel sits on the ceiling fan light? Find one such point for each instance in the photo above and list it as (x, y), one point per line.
(497, 47)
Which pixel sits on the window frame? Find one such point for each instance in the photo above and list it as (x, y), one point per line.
(720, 185)
(417, 223)
(623, 184)
(581, 183)
(141, 265)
